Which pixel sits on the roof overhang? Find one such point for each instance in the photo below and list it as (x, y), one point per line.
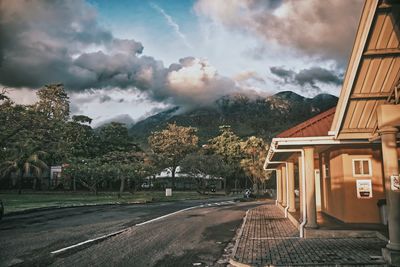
(373, 71)
(282, 148)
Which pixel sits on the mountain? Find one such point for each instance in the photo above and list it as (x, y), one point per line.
(123, 118)
(248, 115)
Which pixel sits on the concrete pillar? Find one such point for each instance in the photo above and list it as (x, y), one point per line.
(310, 188)
(279, 185)
(391, 167)
(292, 196)
(284, 185)
(301, 186)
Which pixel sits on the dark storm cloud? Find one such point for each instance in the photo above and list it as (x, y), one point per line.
(312, 75)
(61, 41)
(308, 77)
(282, 73)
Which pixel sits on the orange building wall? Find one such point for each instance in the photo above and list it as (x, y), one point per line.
(339, 188)
(333, 194)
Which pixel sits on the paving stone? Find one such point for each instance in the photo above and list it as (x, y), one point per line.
(270, 239)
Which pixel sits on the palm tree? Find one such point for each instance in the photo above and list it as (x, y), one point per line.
(23, 166)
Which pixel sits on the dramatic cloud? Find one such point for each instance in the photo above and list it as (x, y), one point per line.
(285, 74)
(61, 41)
(308, 78)
(248, 75)
(310, 26)
(201, 77)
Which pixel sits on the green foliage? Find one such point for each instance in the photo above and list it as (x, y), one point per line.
(27, 130)
(89, 173)
(254, 152)
(53, 102)
(24, 164)
(172, 145)
(79, 140)
(200, 164)
(115, 137)
(227, 145)
(81, 119)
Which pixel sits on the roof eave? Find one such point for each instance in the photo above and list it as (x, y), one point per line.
(301, 142)
(370, 6)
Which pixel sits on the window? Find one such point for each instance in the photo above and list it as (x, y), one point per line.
(362, 167)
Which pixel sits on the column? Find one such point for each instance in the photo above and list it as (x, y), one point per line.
(310, 188)
(284, 190)
(391, 167)
(301, 186)
(292, 196)
(278, 185)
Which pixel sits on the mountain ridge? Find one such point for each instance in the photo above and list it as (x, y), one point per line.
(248, 115)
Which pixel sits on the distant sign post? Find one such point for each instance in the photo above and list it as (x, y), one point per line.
(168, 192)
(364, 189)
(395, 183)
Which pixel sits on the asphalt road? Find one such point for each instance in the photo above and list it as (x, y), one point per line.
(196, 236)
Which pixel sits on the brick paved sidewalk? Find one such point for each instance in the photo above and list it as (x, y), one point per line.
(267, 238)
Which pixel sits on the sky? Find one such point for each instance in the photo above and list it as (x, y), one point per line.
(128, 59)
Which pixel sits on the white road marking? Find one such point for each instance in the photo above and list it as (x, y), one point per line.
(165, 216)
(125, 229)
(275, 238)
(88, 241)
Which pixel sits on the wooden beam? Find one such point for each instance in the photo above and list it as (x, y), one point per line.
(370, 96)
(357, 130)
(382, 52)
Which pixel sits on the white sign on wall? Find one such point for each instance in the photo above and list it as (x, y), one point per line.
(364, 189)
(395, 182)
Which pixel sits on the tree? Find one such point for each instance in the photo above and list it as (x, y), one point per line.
(201, 164)
(115, 137)
(90, 173)
(53, 109)
(53, 102)
(23, 165)
(227, 145)
(172, 145)
(19, 122)
(125, 165)
(79, 139)
(254, 152)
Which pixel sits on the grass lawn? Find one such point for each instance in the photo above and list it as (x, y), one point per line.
(14, 202)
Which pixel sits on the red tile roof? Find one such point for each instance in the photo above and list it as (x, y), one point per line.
(316, 126)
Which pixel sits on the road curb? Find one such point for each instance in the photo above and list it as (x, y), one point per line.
(28, 211)
(232, 260)
(238, 264)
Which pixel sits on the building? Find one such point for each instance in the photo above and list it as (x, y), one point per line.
(183, 181)
(346, 160)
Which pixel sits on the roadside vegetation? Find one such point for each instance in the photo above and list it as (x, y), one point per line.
(27, 201)
(35, 137)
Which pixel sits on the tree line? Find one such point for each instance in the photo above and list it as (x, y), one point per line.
(35, 137)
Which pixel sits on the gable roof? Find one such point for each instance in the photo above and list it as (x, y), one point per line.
(372, 73)
(316, 126)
